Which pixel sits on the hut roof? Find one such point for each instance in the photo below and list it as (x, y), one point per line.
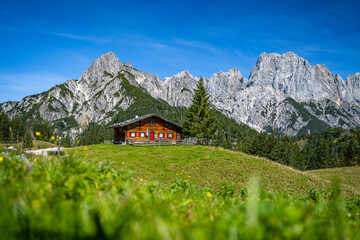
(130, 121)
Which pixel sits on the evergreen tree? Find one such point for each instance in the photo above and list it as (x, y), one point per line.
(4, 128)
(295, 158)
(350, 152)
(44, 128)
(321, 154)
(199, 120)
(28, 141)
(66, 142)
(17, 130)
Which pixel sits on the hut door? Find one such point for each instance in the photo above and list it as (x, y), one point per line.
(152, 136)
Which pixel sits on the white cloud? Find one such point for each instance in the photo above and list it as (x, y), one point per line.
(87, 38)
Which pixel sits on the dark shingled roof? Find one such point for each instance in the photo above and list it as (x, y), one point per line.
(130, 121)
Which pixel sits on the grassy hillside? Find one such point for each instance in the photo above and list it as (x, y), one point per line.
(347, 175)
(200, 165)
(90, 197)
(37, 144)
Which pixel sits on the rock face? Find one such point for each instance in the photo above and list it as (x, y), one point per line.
(295, 77)
(283, 93)
(353, 84)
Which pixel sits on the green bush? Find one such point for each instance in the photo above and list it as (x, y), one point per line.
(227, 190)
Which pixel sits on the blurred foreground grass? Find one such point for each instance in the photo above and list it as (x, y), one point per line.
(76, 198)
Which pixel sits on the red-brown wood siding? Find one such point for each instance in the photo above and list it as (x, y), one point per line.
(161, 126)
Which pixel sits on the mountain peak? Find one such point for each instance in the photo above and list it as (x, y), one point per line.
(232, 74)
(356, 75)
(290, 54)
(183, 74)
(107, 62)
(234, 71)
(353, 79)
(287, 55)
(108, 55)
(295, 77)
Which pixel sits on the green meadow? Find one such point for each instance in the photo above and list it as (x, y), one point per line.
(349, 176)
(173, 192)
(206, 166)
(38, 144)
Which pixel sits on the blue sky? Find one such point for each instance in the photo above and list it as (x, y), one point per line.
(44, 43)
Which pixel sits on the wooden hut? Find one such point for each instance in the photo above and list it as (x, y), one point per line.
(151, 127)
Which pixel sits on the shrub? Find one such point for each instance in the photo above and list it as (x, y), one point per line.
(227, 190)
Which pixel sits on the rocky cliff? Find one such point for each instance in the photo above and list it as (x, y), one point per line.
(283, 93)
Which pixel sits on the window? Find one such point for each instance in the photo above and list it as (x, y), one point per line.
(170, 135)
(161, 135)
(133, 134)
(169, 126)
(133, 125)
(152, 123)
(142, 134)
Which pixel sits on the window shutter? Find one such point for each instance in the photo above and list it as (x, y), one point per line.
(154, 123)
(135, 134)
(167, 135)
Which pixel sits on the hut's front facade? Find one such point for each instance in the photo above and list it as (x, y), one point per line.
(150, 127)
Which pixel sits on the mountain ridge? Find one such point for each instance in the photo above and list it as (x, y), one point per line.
(261, 101)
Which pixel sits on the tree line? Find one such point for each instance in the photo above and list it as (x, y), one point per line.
(15, 130)
(334, 147)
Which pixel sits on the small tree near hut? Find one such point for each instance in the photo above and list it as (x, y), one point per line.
(199, 120)
(28, 141)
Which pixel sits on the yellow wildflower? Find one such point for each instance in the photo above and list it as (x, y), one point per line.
(185, 181)
(85, 148)
(35, 160)
(141, 179)
(181, 173)
(37, 133)
(35, 203)
(208, 194)
(52, 138)
(1, 159)
(177, 174)
(188, 176)
(123, 163)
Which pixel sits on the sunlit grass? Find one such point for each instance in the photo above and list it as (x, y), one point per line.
(36, 143)
(75, 197)
(347, 175)
(207, 166)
